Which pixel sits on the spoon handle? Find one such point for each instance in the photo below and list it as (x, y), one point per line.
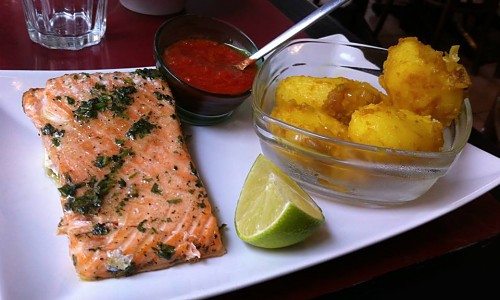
(312, 18)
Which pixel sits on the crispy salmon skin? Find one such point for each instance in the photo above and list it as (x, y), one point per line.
(132, 198)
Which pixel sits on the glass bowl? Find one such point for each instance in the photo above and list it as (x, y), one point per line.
(349, 172)
(196, 106)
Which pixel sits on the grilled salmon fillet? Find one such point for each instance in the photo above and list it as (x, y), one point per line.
(132, 198)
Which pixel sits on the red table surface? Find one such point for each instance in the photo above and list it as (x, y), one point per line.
(129, 43)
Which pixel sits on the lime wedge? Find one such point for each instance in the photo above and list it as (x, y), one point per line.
(273, 211)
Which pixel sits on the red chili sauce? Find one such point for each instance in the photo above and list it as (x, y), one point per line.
(209, 66)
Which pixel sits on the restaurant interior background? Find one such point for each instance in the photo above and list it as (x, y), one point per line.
(473, 24)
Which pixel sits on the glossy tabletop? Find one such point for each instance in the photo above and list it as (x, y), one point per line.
(128, 42)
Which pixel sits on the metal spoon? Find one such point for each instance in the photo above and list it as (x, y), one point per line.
(312, 18)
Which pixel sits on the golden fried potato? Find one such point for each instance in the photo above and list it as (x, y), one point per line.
(307, 117)
(389, 127)
(423, 80)
(312, 119)
(306, 89)
(346, 97)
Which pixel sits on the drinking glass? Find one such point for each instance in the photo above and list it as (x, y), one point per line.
(65, 24)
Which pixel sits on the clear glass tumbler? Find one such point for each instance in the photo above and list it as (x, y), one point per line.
(66, 24)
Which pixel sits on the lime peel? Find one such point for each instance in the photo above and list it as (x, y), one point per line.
(273, 211)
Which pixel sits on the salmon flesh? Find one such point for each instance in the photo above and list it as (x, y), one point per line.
(131, 196)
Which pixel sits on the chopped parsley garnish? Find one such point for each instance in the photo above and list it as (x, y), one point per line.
(121, 95)
(165, 97)
(193, 169)
(118, 160)
(140, 129)
(119, 142)
(164, 251)
(115, 161)
(91, 199)
(50, 130)
(104, 186)
(132, 191)
(198, 183)
(69, 189)
(89, 109)
(174, 201)
(156, 188)
(149, 73)
(100, 229)
(70, 100)
(122, 183)
(102, 161)
(140, 226)
(88, 203)
(56, 142)
(116, 101)
(120, 207)
(99, 86)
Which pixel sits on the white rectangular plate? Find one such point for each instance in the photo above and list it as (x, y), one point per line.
(34, 261)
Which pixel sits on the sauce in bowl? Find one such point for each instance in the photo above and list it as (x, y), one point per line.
(209, 66)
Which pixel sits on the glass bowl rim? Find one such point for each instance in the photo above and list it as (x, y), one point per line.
(458, 143)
